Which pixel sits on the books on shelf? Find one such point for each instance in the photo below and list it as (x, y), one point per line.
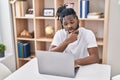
(26, 49)
(18, 8)
(84, 8)
(95, 15)
(23, 49)
(20, 49)
(21, 7)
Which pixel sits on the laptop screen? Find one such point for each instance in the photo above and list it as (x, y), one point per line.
(56, 63)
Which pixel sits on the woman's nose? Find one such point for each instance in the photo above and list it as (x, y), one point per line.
(69, 26)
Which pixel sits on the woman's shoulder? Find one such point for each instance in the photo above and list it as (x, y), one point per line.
(60, 31)
(85, 30)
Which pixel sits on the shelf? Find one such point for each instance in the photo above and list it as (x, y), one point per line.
(100, 19)
(44, 39)
(24, 17)
(41, 17)
(37, 24)
(28, 58)
(100, 41)
(27, 39)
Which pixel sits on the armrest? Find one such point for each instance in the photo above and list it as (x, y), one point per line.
(117, 77)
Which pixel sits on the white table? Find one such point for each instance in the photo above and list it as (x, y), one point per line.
(90, 72)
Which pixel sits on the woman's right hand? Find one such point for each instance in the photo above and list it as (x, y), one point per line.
(71, 37)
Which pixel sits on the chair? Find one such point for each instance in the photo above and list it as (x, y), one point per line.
(4, 71)
(117, 77)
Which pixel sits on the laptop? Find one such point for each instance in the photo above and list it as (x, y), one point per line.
(56, 63)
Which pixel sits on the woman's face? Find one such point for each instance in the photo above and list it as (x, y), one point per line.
(70, 23)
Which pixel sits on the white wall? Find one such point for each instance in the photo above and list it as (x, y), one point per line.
(6, 28)
(114, 37)
(0, 25)
(0, 34)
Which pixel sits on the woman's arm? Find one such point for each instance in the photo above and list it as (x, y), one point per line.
(71, 37)
(59, 48)
(92, 58)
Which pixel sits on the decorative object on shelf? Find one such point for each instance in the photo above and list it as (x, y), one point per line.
(49, 31)
(25, 34)
(48, 12)
(2, 50)
(70, 4)
(29, 13)
(95, 15)
(32, 34)
(84, 8)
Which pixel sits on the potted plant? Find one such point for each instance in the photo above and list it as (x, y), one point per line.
(2, 50)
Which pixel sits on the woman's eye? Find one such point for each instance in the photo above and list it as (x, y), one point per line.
(65, 24)
(71, 22)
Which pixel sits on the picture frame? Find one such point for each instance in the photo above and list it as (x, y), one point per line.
(48, 12)
(29, 12)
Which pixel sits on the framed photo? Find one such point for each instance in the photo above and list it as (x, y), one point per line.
(48, 12)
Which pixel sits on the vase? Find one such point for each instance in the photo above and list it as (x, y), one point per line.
(2, 54)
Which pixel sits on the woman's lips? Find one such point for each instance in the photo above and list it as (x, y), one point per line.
(75, 31)
(70, 31)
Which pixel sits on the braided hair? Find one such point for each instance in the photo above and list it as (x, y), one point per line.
(63, 11)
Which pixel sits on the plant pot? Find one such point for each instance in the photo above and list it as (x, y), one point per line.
(2, 54)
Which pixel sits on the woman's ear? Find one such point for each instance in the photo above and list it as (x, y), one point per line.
(78, 21)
